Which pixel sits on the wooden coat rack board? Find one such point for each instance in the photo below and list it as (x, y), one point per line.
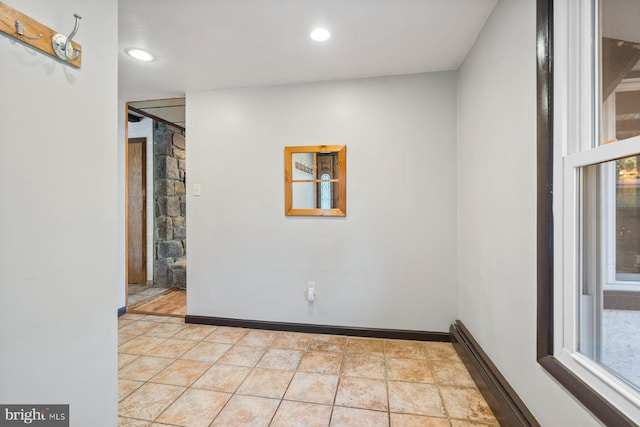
(34, 34)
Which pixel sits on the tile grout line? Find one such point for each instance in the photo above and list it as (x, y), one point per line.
(149, 381)
(245, 379)
(386, 379)
(239, 385)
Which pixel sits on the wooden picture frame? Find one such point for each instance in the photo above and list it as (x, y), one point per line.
(315, 180)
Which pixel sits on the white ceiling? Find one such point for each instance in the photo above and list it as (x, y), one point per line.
(212, 44)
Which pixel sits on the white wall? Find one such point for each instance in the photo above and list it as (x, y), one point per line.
(390, 263)
(144, 129)
(58, 217)
(497, 208)
(122, 224)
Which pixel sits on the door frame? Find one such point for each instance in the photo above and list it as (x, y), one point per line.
(149, 140)
(126, 206)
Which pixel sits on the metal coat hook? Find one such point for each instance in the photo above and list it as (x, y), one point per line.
(37, 35)
(20, 31)
(62, 45)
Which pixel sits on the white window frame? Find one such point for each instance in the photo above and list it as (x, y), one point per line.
(576, 130)
(611, 283)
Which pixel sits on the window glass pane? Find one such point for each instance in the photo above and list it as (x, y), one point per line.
(627, 217)
(627, 107)
(302, 166)
(619, 70)
(303, 195)
(609, 320)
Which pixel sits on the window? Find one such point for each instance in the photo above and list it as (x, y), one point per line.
(589, 225)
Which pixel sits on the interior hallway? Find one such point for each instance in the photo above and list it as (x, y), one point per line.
(177, 374)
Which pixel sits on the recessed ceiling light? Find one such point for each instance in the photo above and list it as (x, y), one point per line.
(320, 34)
(140, 54)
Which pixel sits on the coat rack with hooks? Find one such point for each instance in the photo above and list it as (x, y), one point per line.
(27, 30)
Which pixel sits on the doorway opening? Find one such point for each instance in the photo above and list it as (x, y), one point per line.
(156, 207)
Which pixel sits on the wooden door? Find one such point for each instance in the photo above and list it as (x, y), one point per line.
(137, 218)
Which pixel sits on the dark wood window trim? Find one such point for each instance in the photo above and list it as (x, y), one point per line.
(544, 77)
(593, 401)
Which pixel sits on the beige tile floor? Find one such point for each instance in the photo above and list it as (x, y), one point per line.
(177, 374)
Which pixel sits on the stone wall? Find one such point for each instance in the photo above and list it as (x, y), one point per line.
(170, 209)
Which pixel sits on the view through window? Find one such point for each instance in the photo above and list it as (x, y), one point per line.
(609, 204)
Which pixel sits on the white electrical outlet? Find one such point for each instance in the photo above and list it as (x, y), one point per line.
(196, 189)
(311, 291)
